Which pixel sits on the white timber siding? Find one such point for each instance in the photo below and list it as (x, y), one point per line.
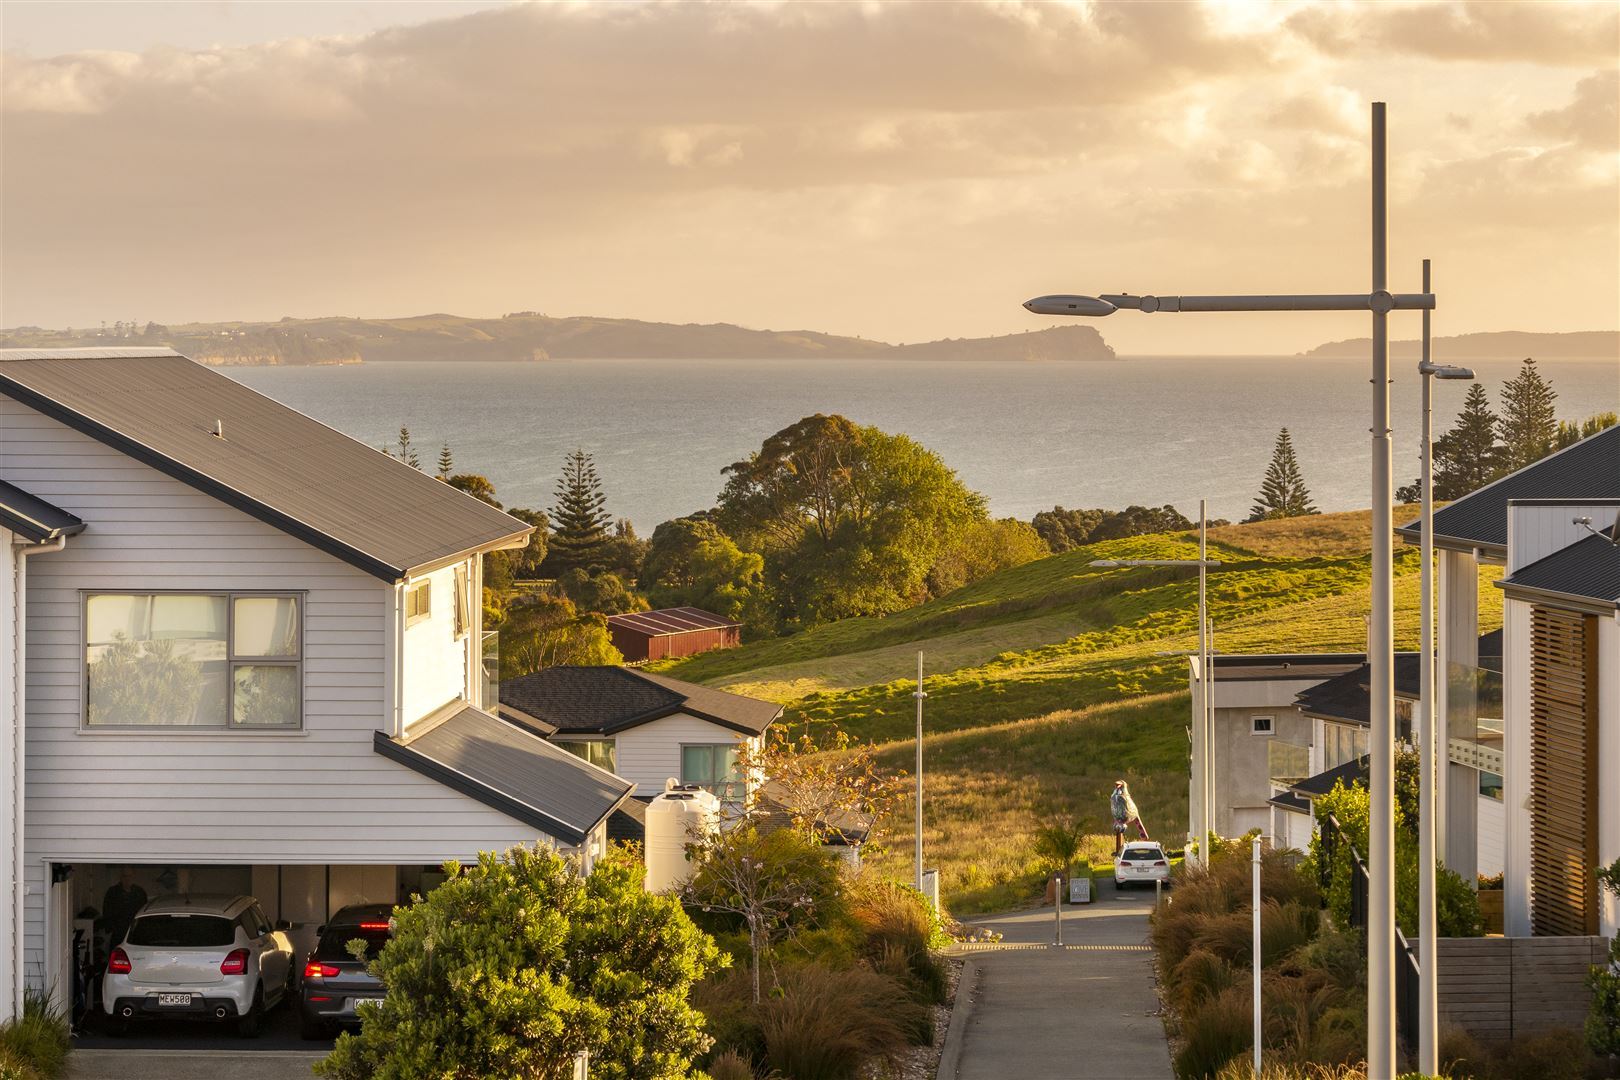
(318, 796)
(1534, 532)
(1492, 820)
(436, 660)
(650, 753)
(11, 567)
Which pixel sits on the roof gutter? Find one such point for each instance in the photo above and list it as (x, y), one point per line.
(1590, 605)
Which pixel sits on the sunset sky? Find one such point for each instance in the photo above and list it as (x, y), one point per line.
(899, 171)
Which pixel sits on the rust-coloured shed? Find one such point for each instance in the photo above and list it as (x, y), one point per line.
(681, 631)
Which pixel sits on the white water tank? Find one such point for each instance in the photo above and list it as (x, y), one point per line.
(679, 815)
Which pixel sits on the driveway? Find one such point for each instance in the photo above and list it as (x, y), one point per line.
(178, 1050)
(1086, 1010)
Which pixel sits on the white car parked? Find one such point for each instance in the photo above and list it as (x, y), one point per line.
(199, 957)
(1142, 863)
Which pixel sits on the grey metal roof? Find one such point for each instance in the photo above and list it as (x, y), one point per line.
(1348, 697)
(1350, 774)
(272, 462)
(510, 770)
(34, 519)
(1588, 569)
(666, 622)
(1292, 803)
(604, 700)
(1589, 469)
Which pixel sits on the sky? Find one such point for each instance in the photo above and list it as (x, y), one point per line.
(902, 171)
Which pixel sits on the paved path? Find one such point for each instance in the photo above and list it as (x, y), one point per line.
(1083, 1012)
(191, 1065)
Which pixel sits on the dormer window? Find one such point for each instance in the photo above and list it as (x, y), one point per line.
(418, 602)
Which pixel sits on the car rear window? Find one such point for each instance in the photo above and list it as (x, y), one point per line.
(334, 944)
(183, 931)
(1142, 854)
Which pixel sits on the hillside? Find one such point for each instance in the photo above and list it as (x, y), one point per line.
(529, 336)
(1048, 681)
(1500, 345)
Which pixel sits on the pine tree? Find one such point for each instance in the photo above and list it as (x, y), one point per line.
(446, 463)
(580, 533)
(1468, 457)
(1528, 424)
(1282, 493)
(407, 452)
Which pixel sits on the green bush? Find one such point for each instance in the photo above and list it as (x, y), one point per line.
(822, 1024)
(726, 1000)
(36, 1043)
(900, 928)
(730, 1066)
(1215, 1034)
(1199, 978)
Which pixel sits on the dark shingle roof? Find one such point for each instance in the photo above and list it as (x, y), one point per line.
(34, 519)
(506, 768)
(1350, 774)
(1588, 569)
(666, 622)
(1253, 667)
(1589, 469)
(603, 700)
(1349, 696)
(273, 462)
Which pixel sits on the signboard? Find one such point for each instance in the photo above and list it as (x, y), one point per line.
(1080, 889)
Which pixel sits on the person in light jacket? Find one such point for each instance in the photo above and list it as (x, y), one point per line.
(1125, 815)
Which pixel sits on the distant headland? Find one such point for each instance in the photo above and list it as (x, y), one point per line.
(1498, 345)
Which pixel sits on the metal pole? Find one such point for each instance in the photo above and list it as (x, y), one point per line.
(1206, 803)
(919, 695)
(1057, 909)
(1381, 750)
(1257, 1014)
(1428, 1003)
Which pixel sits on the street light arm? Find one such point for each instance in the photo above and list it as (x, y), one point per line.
(1303, 302)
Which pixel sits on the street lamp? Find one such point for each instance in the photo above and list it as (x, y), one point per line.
(1203, 743)
(1430, 741)
(1381, 659)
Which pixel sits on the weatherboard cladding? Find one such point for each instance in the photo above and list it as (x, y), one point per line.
(270, 461)
(1588, 569)
(1589, 469)
(34, 519)
(510, 770)
(603, 700)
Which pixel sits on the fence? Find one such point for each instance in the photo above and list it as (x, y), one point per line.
(1406, 967)
(1504, 988)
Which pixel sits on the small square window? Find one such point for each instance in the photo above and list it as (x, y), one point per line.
(1261, 725)
(418, 602)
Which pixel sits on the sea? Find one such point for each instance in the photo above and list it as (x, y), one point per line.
(1029, 435)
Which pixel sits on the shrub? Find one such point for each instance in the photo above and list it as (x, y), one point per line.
(1199, 978)
(1603, 1018)
(730, 1066)
(1554, 1056)
(901, 928)
(726, 1001)
(35, 1043)
(826, 1025)
(1215, 1034)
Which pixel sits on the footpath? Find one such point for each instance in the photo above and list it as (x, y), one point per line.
(1083, 1011)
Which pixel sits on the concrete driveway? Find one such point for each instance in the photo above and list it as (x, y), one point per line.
(1086, 1010)
(180, 1050)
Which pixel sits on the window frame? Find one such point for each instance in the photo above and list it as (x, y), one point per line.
(1270, 729)
(564, 743)
(461, 602)
(425, 587)
(233, 660)
(740, 784)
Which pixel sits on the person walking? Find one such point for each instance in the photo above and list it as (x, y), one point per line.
(1125, 815)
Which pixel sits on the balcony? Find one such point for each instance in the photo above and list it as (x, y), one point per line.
(1287, 763)
(1474, 717)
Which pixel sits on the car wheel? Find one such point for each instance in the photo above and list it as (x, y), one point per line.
(249, 1023)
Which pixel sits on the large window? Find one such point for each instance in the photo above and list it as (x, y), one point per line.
(715, 768)
(1342, 743)
(192, 660)
(596, 751)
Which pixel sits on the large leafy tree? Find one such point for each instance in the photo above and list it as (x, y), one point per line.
(543, 630)
(517, 965)
(1570, 432)
(1282, 492)
(580, 523)
(1528, 423)
(1469, 456)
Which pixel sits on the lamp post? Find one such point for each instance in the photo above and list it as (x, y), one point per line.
(919, 695)
(1381, 659)
(1204, 742)
(1430, 741)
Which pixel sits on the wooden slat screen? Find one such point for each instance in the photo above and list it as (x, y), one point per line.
(1563, 772)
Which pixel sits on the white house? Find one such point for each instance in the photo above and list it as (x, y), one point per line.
(248, 659)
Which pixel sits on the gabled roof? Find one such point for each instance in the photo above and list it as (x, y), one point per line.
(269, 461)
(1349, 774)
(1348, 697)
(510, 770)
(1255, 667)
(1589, 469)
(667, 622)
(1585, 571)
(604, 700)
(35, 520)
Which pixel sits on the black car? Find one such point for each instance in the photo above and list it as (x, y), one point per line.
(335, 982)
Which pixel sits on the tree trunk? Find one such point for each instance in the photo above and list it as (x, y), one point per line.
(753, 949)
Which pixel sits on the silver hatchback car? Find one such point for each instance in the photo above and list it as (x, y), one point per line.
(198, 957)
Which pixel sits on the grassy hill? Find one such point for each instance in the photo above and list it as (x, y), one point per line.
(1049, 681)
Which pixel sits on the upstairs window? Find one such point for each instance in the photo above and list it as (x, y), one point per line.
(599, 752)
(418, 602)
(193, 660)
(463, 604)
(715, 768)
(1261, 725)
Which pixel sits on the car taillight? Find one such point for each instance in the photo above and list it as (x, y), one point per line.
(118, 963)
(317, 970)
(375, 926)
(235, 962)
(1161, 862)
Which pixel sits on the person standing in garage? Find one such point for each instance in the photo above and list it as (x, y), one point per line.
(118, 908)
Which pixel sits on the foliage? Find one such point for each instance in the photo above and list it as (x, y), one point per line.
(141, 678)
(625, 551)
(34, 1046)
(1215, 1034)
(517, 965)
(1282, 492)
(526, 561)
(404, 450)
(1470, 455)
(1570, 432)
(1059, 844)
(1528, 424)
(826, 1025)
(901, 932)
(776, 881)
(580, 524)
(1603, 1018)
(980, 549)
(447, 462)
(690, 562)
(479, 487)
(823, 788)
(600, 592)
(730, 1065)
(542, 630)
(1064, 530)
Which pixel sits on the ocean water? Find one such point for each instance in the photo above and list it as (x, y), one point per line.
(1149, 430)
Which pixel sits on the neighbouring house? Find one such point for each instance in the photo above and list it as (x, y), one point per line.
(671, 632)
(644, 727)
(243, 653)
(1549, 723)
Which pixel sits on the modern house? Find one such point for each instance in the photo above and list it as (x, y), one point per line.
(671, 632)
(241, 653)
(646, 728)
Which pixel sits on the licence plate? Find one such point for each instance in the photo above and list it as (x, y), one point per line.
(367, 1001)
(174, 999)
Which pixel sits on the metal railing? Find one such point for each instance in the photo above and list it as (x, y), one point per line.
(1405, 968)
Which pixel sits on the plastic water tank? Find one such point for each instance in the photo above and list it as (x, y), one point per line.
(676, 817)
